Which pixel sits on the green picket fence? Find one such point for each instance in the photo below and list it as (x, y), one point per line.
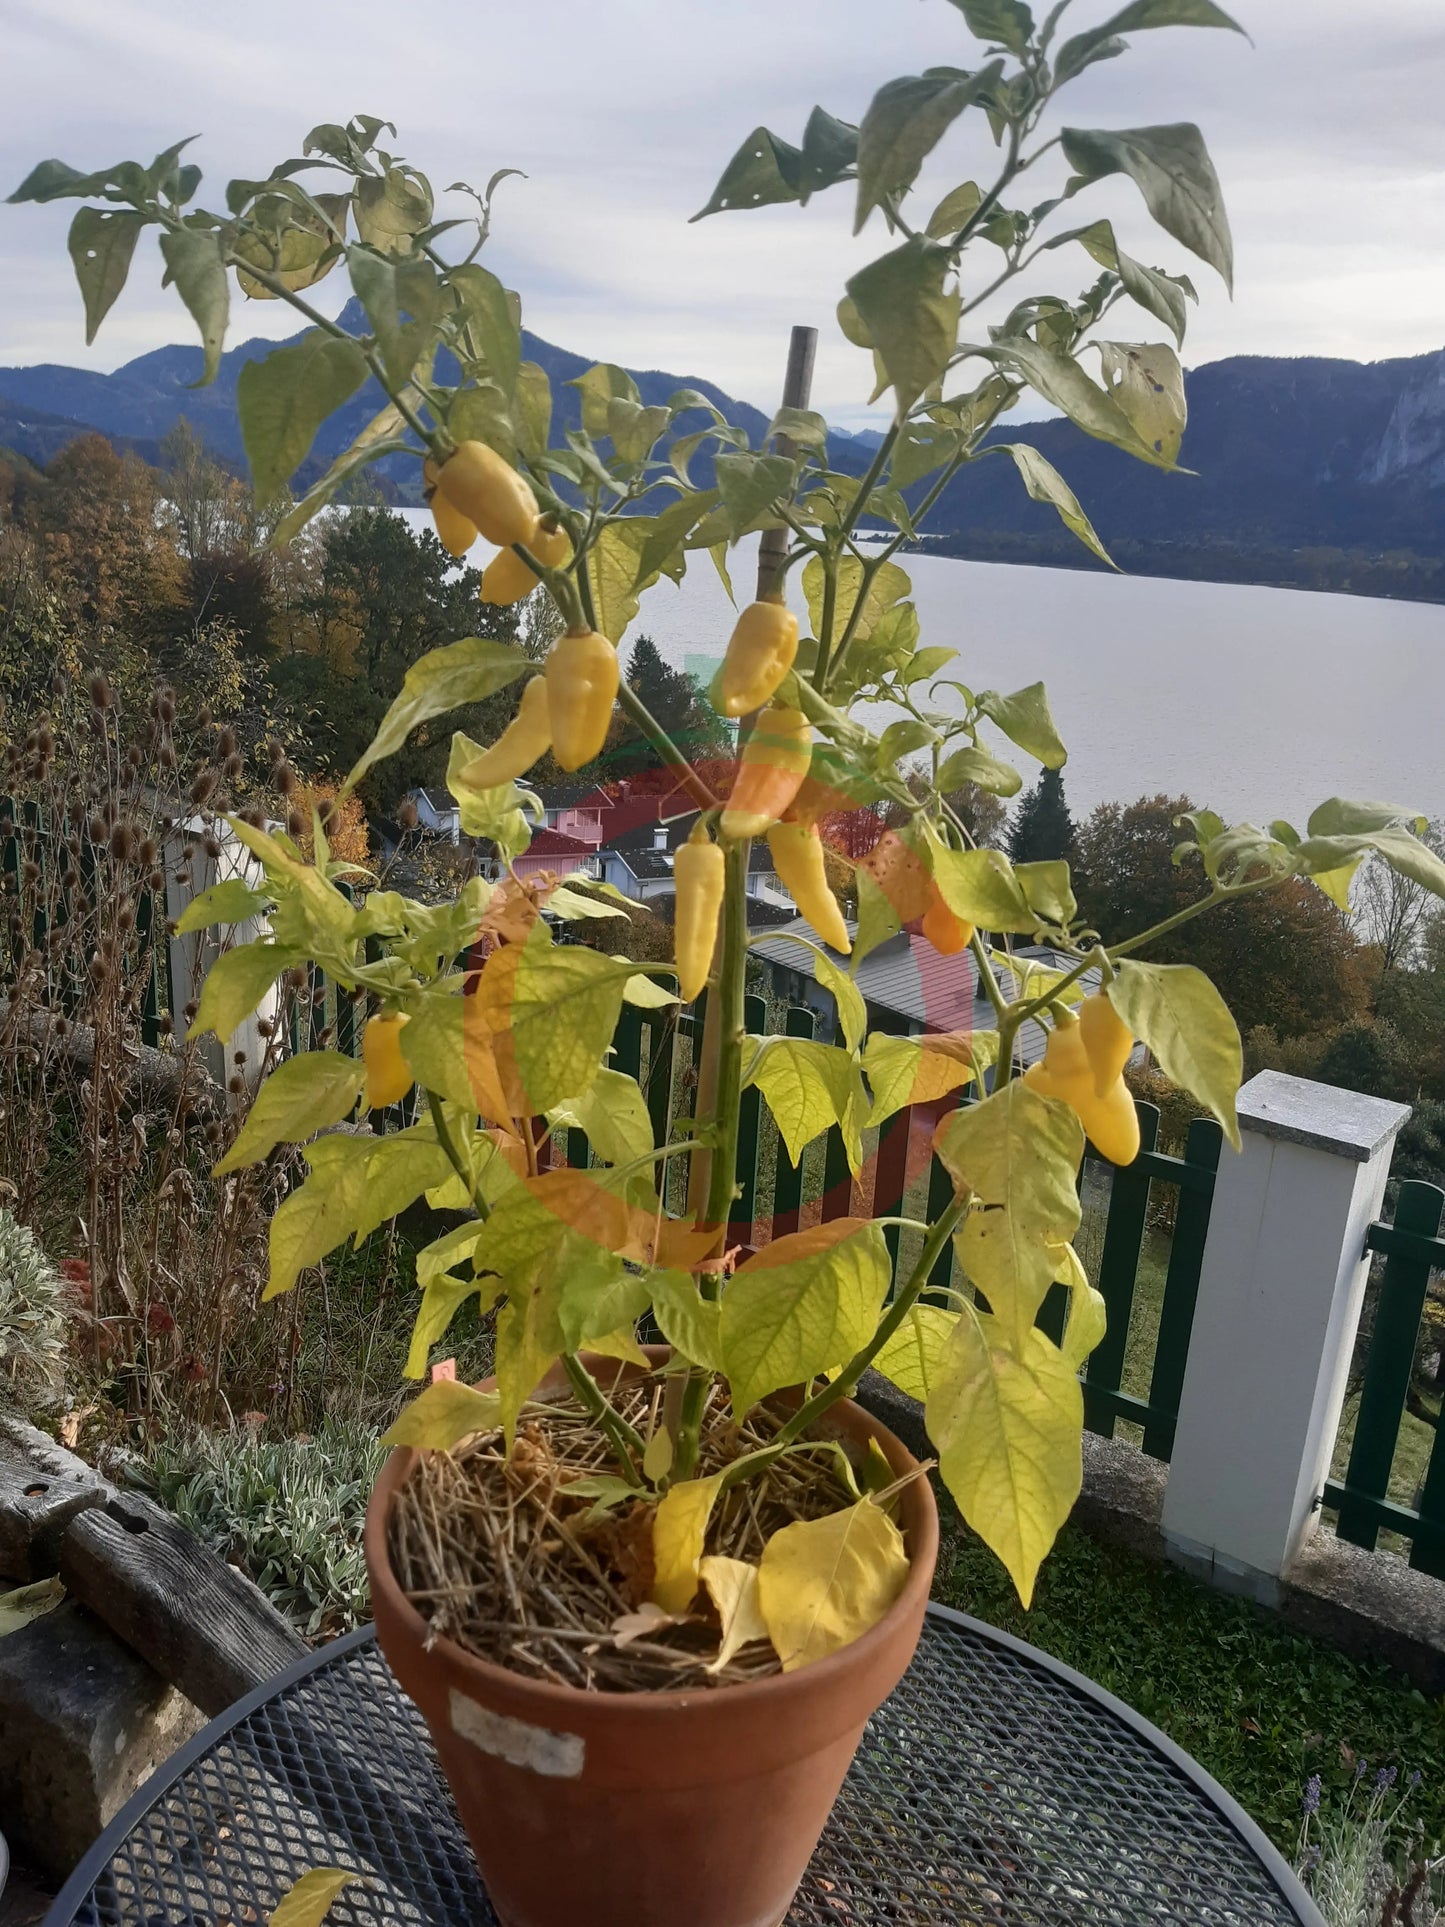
(658, 1048)
(1413, 1249)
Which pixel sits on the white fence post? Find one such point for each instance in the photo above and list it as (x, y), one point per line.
(192, 955)
(1279, 1303)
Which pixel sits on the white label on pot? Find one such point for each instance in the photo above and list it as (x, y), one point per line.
(558, 1756)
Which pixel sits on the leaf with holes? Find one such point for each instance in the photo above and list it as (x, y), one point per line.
(1172, 170)
(102, 244)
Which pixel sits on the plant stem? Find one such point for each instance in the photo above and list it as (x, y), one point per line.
(846, 1383)
(622, 1437)
(696, 788)
(454, 1156)
(714, 1169)
(1190, 911)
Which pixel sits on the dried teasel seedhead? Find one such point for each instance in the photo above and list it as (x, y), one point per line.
(235, 1084)
(256, 818)
(166, 755)
(97, 830)
(99, 690)
(123, 840)
(285, 778)
(233, 766)
(295, 824)
(211, 847)
(407, 816)
(226, 742)
(203, 785)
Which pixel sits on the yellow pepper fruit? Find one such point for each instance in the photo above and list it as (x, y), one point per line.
(506, 578)
(455, 533)
(1105, 1108)
(1108, 1040)
(489, 492)
(947, 932)
(774, 763)
(760, 653)
(797, 852)
(388, 1075)
(526, 737)
(582, 677)
(699, 871)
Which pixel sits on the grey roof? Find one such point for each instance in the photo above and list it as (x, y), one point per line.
(907, 977)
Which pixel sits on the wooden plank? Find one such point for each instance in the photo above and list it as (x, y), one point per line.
(36, 1506)
(202, 1625)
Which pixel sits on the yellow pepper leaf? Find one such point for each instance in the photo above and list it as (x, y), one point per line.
(804, 1304)
(1178, 1013)
(915, 1070)
(733, 1584)
(1008, 1424)
(1088, 1321)
(443, 1415)
(678, 1532)
(308, 1902)
(1018, 1153)
(657, 1456)
(911, 1357)
(808, 1087)
(690, 1323)
(822, 1582)
(622, 1344)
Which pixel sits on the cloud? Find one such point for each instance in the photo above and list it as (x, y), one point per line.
(1326, 135)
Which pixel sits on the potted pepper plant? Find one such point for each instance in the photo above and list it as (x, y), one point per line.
(648, 1594)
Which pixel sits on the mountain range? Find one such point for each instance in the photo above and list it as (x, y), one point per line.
(1325, 472)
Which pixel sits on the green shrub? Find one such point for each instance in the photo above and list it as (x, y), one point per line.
(32, 1319)
(288, 1511)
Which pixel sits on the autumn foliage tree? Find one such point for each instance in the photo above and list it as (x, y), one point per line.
(1286, 959)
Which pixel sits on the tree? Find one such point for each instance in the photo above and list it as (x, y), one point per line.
(1042, 831)
(671, 698)
(1392, 913)
(106, 551)
(981, 812)
(1285, 959)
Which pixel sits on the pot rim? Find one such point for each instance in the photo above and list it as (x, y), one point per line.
(919, 1522)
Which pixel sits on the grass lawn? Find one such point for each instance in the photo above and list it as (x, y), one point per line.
(1260, 1707)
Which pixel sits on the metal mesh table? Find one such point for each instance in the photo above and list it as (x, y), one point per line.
(995, 1788)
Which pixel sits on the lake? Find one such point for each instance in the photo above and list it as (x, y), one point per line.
(1256, 702)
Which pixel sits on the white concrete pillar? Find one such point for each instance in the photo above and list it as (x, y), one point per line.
(1279, 1303)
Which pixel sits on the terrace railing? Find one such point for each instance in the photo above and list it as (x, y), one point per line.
(1414, 1251)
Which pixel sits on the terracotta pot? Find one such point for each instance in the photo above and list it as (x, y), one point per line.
(694, 1808)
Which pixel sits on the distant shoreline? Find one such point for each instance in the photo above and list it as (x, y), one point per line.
(1400, 577)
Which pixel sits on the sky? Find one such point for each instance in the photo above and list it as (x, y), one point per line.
(1327, 133)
